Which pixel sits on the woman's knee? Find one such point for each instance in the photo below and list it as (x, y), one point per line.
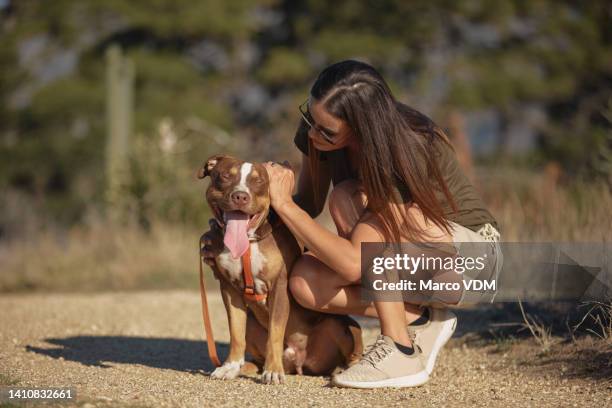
(301, 282)
(313, 284)
(347, 204)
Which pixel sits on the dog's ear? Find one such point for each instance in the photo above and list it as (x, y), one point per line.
(209, 165)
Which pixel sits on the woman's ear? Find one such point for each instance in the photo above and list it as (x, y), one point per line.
(209, 165)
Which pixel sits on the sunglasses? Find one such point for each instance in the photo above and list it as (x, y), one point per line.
(310, 122)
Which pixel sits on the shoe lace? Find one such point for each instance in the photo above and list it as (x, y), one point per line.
(377, 352)
(412, 334)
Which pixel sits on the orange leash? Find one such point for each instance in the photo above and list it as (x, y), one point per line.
(249, 282)
(210, 341)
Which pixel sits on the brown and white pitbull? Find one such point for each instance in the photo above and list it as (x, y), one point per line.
(282, 336)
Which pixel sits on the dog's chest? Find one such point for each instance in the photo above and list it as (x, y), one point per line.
(232, 267)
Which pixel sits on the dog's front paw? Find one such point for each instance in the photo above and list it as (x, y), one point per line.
(228, 371)
(273, 377)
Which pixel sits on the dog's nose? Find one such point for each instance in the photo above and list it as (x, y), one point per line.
(240, 198)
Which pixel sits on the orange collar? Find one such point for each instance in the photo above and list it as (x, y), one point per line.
(249, 282)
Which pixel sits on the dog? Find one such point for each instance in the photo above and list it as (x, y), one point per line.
(264, 319)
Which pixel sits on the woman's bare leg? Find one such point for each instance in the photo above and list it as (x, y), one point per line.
(393, 321)
(315, 286)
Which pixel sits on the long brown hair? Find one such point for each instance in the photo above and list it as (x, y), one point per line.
(399, 147)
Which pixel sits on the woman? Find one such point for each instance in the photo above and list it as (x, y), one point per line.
(395, 179)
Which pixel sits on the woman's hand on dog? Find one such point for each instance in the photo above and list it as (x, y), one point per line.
(211, 243)
(282, 183)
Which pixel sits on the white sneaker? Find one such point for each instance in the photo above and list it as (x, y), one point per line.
(434, 334)
(383, 365)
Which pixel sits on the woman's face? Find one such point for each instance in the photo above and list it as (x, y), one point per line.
(337, 129)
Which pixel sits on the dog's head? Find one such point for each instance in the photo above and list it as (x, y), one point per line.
(239, 197)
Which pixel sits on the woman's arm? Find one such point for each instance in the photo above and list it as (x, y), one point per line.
(305, 195)
(340, 254)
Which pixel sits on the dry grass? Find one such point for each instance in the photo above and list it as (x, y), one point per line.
(599, 318)
(540, 331)
(535, 207)
(101, 257)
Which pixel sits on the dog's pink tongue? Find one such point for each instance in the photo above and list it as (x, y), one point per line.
(236, 238)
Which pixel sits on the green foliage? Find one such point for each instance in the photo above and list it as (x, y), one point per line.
(284, 66)
(167, 85)
(78, 95)
(338, 45)
(187, 19)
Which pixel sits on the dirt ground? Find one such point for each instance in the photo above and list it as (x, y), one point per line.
(146, 349)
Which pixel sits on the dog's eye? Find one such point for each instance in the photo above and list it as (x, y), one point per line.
(223, 179)
(257, 180)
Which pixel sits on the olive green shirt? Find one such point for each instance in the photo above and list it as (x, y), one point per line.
(471, 213)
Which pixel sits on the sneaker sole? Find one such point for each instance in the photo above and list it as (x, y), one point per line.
(413, 380)
(447, 332)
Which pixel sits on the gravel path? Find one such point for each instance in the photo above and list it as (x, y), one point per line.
(145, 349)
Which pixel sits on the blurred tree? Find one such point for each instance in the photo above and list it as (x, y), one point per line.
(119, 112)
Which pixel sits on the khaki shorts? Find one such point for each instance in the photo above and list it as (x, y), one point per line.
(472, 244)
(488, 235)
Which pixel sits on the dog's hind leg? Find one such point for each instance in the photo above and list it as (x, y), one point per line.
(334, 342)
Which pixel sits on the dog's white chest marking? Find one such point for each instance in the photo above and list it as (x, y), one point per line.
(234, 266)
